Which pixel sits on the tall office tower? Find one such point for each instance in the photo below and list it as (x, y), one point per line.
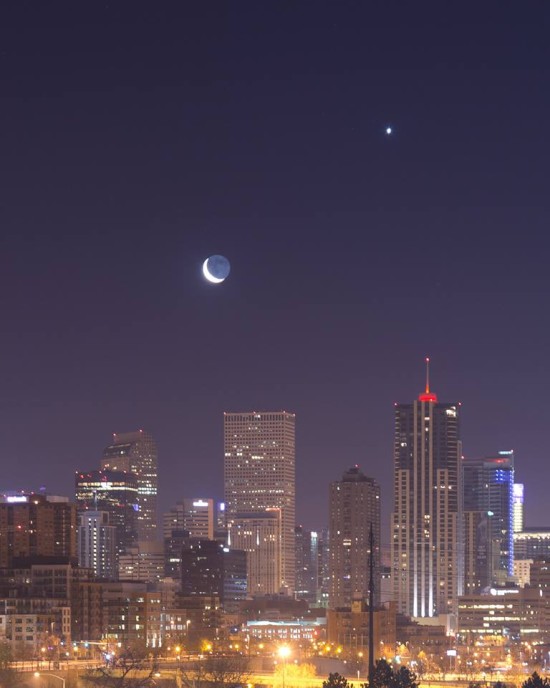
(518, 507)
(259, 535)
(211, 570)
(35, 527)
(426, 537)
(115, 492)
(307, 564)
(354, 507)
(259, 474)
(97, 544)
(194, 514)
(136, 452)
(488, 486)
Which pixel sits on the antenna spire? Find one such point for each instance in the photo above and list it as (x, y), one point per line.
(427, 375)
(428, 396)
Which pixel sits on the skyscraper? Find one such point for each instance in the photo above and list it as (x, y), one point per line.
(307, 564)
(136, 452)
(115, 492)
(354, 508)
(426, 537)
(259, 474)
(97, 544)
(488, 490)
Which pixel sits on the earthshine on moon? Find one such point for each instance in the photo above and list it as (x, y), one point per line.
(216, 269)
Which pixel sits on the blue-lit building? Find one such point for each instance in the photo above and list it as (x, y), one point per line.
(488, 492)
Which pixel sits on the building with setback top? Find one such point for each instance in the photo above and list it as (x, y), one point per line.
(136, 452)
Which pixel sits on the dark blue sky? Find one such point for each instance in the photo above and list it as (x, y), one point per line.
(138, 138)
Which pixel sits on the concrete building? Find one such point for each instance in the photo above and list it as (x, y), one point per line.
(522, 571)
(97, 544)
(173, 547)
(259, 474)
(522, 615)
(136, 452)
(354, 508)
(193, 514)
(34, 527)
(133, 615)
(532, 543)
(259, 535)
(142, 562)
(289, 630)
(349, 627)
(426, 537)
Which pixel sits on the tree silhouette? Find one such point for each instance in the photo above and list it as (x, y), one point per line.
(218, 671)
(403, 678)
(535, 681)
(336, 681)
(382, 675)
(130, 669)
(386, 677)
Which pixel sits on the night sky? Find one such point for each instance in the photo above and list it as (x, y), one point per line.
(138, 138)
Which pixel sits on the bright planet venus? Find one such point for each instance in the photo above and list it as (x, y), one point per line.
(216, 269)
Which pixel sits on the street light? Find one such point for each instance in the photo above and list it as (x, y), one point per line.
(284, 654)
(37, 674)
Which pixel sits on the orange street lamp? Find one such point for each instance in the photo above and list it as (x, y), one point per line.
(284, 654)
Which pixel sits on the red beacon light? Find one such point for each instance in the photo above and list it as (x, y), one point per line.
(428, 396)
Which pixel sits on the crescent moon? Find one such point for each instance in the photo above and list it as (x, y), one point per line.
(209, 276)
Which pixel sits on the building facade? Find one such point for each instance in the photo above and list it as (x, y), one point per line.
(307, 564)
(136, 452)
(35, 527)
(97, 544)
(488, 490)
(518, 520)
(259, 474)
(208, 569)
(115, 492)
(532, 543)
(193, 514)
(426, 528)
(259, 535)
(354, 508)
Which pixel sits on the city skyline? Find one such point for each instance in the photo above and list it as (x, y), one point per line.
(302, 518)
(136, 148)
